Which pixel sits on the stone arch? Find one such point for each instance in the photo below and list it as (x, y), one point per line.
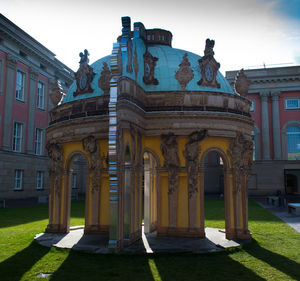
(227, 183)
(284, 129)
(67, 187)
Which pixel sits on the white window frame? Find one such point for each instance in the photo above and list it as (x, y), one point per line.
(40, 95)
(20, 93)
(17, 136)
(38, 143)
(74, 181)
(39, 180)
(18, 182)
(291, 108)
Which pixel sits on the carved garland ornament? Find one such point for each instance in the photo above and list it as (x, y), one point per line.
(104, 80)
(84, 76)
(129, 56)
(209, 66)
(191, 154)
(184, 74)
(56, 155)
(90, 145)
(241, 151)
(169, 149)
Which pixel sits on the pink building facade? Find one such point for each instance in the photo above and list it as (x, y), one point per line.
(275, 96)
(28, 71)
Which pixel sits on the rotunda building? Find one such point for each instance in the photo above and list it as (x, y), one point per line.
(144, 118)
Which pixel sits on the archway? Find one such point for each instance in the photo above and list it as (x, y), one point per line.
(215, 189)
(150, 192)
(77, 184)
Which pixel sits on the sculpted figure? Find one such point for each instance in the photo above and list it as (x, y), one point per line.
(90, 145)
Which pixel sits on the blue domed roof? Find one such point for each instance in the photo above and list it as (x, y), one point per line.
(167, 64)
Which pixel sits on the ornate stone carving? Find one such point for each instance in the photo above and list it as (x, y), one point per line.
(169, 149)
(241, 84)
(135, 63)
(56, 155)
(129, 56)
(90, 145)
(104, 80)
(191, 154)
(209, 66)
(241, 151)
(56, 93)
(149, 66)
(184, 74)
(84, 76)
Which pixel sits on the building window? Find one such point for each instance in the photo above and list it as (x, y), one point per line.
(39, 179)
(18, 179)
(74, 180)
(292, 103)
(40, 100)
(1, 76)
(253, 142)
(293, 143)
(17, 137)
(252, 106)
(20, 86)
(38, 148)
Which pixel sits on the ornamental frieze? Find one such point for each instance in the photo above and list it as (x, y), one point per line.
(184, 74)
(84, 76)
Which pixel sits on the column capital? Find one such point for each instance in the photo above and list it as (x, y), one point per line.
(275, 95)
(264, 95)
(11, 61)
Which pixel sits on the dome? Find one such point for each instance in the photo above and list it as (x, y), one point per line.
(154, 45)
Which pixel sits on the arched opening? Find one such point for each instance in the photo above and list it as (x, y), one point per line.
(149, 191)
(214, 187)
(292, 179)
(78, 183)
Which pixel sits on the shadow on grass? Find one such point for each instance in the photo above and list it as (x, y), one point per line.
(213, 266)
(21, 215)
(281, 263)
(16, 266)
(86, 266)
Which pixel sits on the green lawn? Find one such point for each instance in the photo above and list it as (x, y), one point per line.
(274, 253)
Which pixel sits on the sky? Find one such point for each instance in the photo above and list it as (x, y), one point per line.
(248, 33)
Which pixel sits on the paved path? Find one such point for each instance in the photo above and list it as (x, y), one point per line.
(215, 241)
(282, 213)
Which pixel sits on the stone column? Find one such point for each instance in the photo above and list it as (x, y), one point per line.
(276, 125)
(34, 73)
(11, 62)
(265, 125)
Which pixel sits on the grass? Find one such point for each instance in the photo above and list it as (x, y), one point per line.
(274, 253)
